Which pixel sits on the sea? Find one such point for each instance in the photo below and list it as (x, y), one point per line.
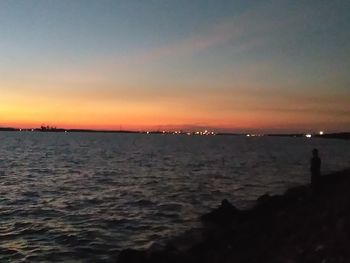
(83, 197)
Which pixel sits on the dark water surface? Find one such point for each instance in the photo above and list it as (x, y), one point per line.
(83, 197)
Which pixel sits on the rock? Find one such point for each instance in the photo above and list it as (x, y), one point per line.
(297, 193)
(267, 202)
(319, 247)
(263, 199)
(299, 226)
(165, 256)
(224, 214)
(292, 195)
(132, 256)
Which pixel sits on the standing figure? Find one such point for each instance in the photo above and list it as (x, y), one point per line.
(315, 168)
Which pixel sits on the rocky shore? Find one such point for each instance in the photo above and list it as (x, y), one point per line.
(306, 224)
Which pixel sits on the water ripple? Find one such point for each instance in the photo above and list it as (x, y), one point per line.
(84, 197)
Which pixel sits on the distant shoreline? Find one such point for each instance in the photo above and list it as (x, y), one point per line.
(339, 135)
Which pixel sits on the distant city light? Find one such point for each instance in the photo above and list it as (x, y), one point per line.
(321, 132)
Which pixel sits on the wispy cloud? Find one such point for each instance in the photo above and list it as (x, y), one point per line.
(260, 26)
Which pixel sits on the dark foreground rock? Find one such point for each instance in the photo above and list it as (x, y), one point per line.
(224, 214)
(303, 225)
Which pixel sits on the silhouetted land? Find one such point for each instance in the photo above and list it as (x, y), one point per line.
(303, 225)
(8, 129)
(53, 129)
(342, 135)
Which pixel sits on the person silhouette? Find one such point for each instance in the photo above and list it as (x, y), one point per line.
(315, 167)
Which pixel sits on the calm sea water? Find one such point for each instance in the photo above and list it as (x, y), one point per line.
(84, 197)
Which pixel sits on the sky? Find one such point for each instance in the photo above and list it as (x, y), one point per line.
(269, 66)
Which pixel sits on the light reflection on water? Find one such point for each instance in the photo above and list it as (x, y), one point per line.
(83, 197)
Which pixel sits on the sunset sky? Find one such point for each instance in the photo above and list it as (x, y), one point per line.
(169, 64)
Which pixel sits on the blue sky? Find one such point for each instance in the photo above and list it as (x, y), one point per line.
(223, 64)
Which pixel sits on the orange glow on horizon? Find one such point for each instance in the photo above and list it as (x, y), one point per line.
(215, 109)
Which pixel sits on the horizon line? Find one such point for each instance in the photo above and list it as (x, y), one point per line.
(164, 131)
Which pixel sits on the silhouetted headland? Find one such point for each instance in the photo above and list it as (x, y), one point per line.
(301, 225)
